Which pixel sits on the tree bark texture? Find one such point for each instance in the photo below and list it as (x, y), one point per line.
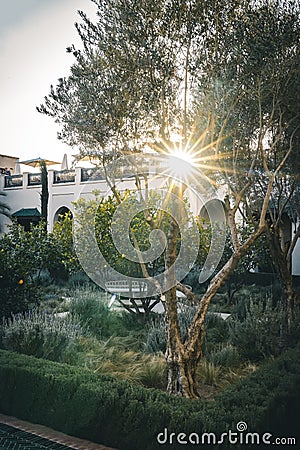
(183, 357)
(282, 262)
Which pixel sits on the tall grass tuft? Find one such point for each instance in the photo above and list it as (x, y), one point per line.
(209, 373)
(115, 357)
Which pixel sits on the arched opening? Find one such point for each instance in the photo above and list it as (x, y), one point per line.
(61, 212)
(213, 211)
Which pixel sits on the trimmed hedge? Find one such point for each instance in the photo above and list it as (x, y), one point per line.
(102, 409)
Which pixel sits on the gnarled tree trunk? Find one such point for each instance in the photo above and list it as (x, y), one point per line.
(282, 263)
(183, 357)
(182, 365)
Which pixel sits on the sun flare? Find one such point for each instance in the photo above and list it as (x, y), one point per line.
(180, 163)
(183, 156)
(191, 161)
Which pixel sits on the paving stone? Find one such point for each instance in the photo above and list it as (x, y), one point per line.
(17, 434)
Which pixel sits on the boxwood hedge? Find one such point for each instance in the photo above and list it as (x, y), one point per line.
(129, 417)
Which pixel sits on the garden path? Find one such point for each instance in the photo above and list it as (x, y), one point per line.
(49, 434)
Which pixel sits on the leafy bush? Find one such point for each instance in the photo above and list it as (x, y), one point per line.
(102, 409)
(26, 257)
(17, 291)
(258, 335)
(216, 331)
(39, 334)
(155, 341)
(89, 307)
(226, 356)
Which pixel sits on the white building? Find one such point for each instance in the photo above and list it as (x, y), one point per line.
(23, 192)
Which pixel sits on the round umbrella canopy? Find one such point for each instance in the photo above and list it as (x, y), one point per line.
(37, 161)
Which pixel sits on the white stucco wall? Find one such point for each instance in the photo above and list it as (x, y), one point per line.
(64, 194)
(19, 197)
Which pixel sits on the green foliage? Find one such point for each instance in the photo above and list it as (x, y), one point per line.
(116, 413)
(106, 208)
(209, 373)
(62, 236)
(98, 213)
(25, 257)
(21, 260)
(257, 336)
(102, 214)
(90, 308)
(120, 357)
(216, 331)
(40, 334)
(155, 341)
(225, 356)
(89, 305)
(153, 373)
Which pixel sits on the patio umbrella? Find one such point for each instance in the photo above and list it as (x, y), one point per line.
(64, 164)
(17, 170)
(37, 161)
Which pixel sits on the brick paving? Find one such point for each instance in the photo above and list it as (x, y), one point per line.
(38, 435)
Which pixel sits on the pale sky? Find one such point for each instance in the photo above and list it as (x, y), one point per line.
(34, 35)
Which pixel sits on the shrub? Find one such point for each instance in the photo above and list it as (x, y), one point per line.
(226, 356)
(39, 334)
(153, 372)
(17, 291)
(25, 259)
(216, 331)
(156, 331)
(133, 323)
(104, 410)
(258, 335)
(89, 307)
(155, 341)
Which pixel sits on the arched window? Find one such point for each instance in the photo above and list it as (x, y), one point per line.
(61, 212)
(213, 211)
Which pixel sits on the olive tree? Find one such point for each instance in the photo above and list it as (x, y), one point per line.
(201, 70)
